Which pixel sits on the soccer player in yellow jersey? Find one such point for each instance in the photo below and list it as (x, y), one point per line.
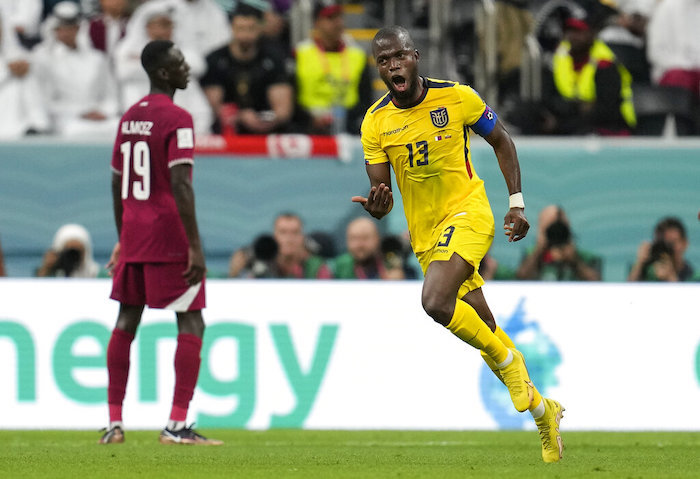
(420, 128)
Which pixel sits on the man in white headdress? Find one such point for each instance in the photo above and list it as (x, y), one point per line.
(76, 81)
(157, 21)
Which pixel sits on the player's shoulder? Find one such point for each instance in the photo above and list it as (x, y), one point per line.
(435, 83)
(449, 87)
(378, 105)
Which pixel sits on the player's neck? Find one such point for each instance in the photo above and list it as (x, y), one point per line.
(415, 98)
(160, 90)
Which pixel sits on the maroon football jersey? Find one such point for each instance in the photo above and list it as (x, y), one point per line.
(153, 136)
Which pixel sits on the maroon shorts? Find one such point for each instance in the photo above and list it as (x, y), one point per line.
(158, 285)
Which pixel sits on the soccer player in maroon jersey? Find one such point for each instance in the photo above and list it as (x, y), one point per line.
(158, 260)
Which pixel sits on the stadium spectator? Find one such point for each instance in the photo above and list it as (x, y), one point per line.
(674, 44)
(332, 74)
(155, 22)
(246, 82)
(364, 258)
(76, 83)
(109, 26)
(664, 258)
(22, 19)
(70, 254)
(555, 256)
(284, 254)
(293, 259)
(200, 25)
(276, 26)
(23, 111)
(626, 37)
(589, 90)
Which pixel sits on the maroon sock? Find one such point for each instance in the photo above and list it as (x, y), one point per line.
(187, 362)
(118, 368)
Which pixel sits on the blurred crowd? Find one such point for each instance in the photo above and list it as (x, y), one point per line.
(290, 252)
(72, 68)
(608, 67)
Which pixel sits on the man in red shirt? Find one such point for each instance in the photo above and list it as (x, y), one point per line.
(158, 260)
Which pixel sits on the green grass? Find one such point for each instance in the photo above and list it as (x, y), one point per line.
(350, 454)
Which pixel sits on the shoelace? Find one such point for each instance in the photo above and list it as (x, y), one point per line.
(189, 430)
(544, 435)
(512, 380)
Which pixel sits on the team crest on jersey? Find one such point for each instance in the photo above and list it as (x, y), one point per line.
(439, 117)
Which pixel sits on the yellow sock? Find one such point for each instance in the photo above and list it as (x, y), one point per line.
(505, 339)
(468, 326)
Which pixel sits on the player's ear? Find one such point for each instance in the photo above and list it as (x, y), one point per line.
(417, 54)
(162, 73)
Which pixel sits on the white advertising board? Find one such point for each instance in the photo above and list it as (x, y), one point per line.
(355, 355)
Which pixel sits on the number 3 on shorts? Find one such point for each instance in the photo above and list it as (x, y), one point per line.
(447, 236)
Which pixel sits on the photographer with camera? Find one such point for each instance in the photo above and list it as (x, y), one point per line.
(555, 256)
(70, 255)
(370, 257)
(284, 254)
(663, 259)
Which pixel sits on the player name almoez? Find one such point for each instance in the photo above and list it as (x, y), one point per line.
(137, 128)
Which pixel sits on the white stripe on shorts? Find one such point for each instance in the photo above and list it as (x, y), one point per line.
(182, 303)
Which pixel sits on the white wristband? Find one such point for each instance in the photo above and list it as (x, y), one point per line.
(516, 201)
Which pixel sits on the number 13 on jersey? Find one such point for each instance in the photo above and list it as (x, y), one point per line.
(141, 156)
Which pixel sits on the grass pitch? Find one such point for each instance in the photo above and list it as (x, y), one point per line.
(349, 454)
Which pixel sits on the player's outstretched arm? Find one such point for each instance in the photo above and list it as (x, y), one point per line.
(515, 223)
(380, 199)
(184, 199)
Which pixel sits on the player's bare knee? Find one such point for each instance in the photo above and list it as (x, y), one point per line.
(191, 322)
(437, 308)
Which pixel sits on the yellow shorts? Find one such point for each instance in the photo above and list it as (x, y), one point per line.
(458, 237)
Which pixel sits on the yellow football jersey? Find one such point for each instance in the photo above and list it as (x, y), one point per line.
(428, 147)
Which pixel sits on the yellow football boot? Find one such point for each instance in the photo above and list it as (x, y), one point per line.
(548, 427)
(517, 380)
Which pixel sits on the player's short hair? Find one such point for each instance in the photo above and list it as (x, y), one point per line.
(394, 31)
(154, 54)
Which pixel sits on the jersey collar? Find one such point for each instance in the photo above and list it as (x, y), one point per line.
(418, 101)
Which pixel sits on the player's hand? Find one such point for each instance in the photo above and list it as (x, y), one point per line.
(515, 224)
(195, 266)
(114, 258)
(379, 201)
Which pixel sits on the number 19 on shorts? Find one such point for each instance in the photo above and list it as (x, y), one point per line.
(139, 155)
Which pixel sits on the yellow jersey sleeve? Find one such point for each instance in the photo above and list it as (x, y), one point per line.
(477, 114)
(369, 134)
(472, 104)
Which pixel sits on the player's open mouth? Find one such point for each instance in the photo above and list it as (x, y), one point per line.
(399, 83)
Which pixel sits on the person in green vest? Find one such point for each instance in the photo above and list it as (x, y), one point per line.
(589, 90)
(333, 80)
